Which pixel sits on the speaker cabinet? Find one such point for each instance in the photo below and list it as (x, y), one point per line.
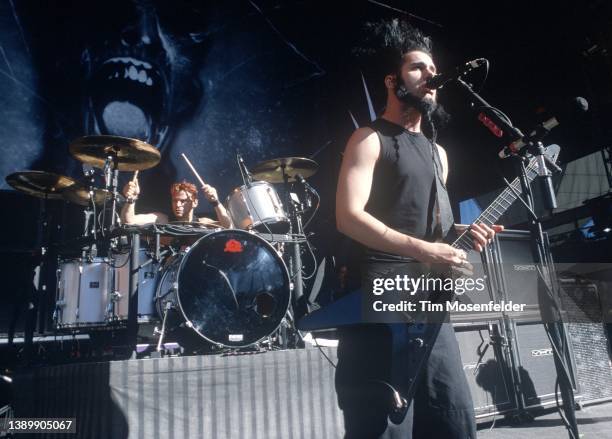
(485, 367)
(591, 348)
(535, 363)
(517, 274)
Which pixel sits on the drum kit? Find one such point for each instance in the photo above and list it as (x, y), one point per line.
(229, 288)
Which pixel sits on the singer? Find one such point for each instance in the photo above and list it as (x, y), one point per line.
(392, 199)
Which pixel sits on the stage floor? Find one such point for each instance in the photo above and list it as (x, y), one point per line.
(283, 394)
(594, 421)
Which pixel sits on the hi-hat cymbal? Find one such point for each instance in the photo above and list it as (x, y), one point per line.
(40, 183)
(79, 194)
(129, 154)
(275, 170)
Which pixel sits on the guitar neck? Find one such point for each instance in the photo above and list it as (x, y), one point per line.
(497, 208)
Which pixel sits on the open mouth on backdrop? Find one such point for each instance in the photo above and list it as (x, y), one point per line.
(128, 97)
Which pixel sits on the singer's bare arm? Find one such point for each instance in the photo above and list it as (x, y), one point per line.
(353, 192)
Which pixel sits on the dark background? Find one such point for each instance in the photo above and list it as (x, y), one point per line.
(277, 78)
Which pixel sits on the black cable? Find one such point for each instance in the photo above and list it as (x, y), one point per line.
(335, 366)
(486, 75)
(559, 409)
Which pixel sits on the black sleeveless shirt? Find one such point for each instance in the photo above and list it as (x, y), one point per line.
(408, 193)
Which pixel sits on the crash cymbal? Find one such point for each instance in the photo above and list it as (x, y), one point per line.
(131, 154)
(40, 184)
(273, 171)
(79, 194)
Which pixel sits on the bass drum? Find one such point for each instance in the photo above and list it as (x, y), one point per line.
(231, 287)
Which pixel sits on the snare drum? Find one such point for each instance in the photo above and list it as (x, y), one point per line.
(83, 293)
(231, 288)
(257, 206)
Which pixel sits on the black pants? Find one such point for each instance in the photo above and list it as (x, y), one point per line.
(442, 407)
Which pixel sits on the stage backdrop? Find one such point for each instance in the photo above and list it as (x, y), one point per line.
(275, 78)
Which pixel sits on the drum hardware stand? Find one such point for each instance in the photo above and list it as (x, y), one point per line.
(295, 260)
(162, 332)
(111, 177)
(290, 337)
(90, 210)
(555, 330)
(35, 307)
(132, 320)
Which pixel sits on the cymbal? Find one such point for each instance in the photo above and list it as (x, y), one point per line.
(79, 194)
(273, 171)
(131, 154)
(40, 184)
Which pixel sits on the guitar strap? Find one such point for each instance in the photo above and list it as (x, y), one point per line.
(442, 216)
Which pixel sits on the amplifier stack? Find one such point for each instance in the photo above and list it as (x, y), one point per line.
(508, 358)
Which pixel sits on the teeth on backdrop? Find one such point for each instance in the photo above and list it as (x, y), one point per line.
(142, 76)
(133, 73)
(149, 81)
(129, 60)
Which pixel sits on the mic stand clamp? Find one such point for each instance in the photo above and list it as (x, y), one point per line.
(544, 175)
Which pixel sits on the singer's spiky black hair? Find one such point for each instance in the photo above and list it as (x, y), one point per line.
(385, 42)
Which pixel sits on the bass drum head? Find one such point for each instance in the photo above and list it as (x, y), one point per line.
(233, 288)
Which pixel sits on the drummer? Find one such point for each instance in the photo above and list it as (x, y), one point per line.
(184, 201)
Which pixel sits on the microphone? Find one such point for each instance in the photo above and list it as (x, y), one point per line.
(578, 105)
(246, 175)
(442, 79)
(301, 180)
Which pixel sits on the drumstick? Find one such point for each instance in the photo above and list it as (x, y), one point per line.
(135, 177)
(193, 169)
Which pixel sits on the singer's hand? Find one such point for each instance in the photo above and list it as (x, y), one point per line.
(483, 235)
(210, 193)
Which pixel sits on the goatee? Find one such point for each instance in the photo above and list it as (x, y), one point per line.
(427, 107)
(434, 115)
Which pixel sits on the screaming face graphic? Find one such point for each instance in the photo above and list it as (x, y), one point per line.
(140, 76)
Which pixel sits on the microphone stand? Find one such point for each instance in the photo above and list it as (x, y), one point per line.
(554, 328)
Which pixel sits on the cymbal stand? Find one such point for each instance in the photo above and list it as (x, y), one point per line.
(90, 213)
(111, 177)
(36, 306)
(295, 261)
